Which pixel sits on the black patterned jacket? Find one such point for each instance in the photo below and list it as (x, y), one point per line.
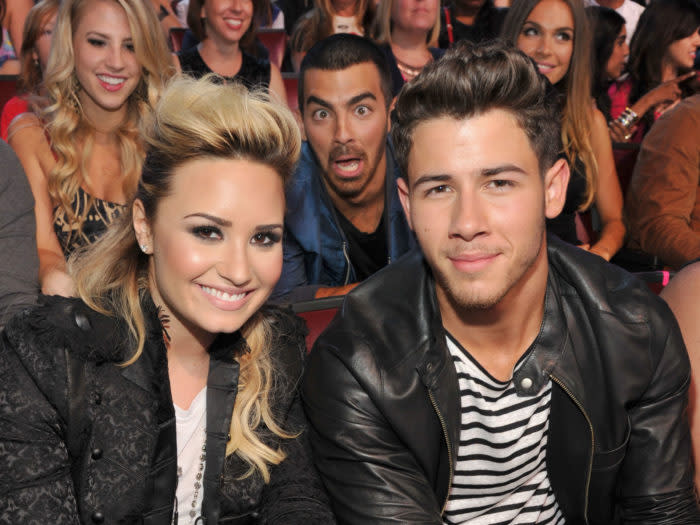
(84, 440)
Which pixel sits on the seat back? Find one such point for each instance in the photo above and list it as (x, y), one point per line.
(317, 313)
(291, 84)
(275, 40)
(656, 281)
(176, 36)
(8, 88)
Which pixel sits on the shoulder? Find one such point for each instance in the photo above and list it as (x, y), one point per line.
(603, 288)
(67, 323)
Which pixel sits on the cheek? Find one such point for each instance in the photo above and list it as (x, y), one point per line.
(268, 265)
(526, 45)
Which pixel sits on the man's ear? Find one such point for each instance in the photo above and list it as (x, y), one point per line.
(556, 180)
(405, 198)
(142, 227)
(300, 121)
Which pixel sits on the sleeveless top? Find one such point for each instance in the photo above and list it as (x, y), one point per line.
(100, 214)
(253, 72)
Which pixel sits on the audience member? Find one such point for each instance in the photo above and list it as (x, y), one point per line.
(407, 31)
(167, 17)
(682, 294)
(473, 20)
(84, 160)
(225, 31)
(498, 375)
(329, 17)
(629, 10)
(610, 52)
(293, 10)
(344, 220)
(663, 199)
(661, 56)
(556, 35)
(34, 55)
(171, 366)
(12, 15)
(19, 265)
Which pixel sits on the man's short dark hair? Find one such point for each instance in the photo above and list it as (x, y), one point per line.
(342, 51)
(470, 80)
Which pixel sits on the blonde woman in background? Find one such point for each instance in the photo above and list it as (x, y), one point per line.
(107, 67)
(557, 36)
(188, 410)
(407, 31)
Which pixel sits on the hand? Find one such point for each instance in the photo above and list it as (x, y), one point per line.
(619, 133)
(667, 92)
(58, 282)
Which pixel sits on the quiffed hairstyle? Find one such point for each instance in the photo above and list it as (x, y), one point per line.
(575, 86)
(383, 24)
(67, 125)
(197, 119)
(470, 80)
(340, 52)
(30, 71)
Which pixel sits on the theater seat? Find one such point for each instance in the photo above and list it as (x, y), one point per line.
(317, 314)
(291, 84)
(655, 280)
(176, 35)
(275, 40)
(8, 88)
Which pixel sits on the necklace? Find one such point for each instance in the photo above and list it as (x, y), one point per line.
(407, 71)
(197, 485)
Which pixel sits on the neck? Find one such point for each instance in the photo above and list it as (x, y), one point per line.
(345, 8)
(611, 4)
(365, 210)
(668, 71)
(466, 14)
(105, 123)
(211, 47)
(407, 41)
(498, 336)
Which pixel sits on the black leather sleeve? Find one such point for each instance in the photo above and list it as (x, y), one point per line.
(657, 474)
(370, 475)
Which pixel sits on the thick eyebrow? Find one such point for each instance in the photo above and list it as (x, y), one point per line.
(485, 172)
(216, 220)
(354, 100)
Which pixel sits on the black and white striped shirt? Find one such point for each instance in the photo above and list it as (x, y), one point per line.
(500, 473)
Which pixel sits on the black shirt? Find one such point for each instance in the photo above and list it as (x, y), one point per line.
(367, 251)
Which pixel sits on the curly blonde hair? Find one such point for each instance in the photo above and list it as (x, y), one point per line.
(198, 119)
(70, 133)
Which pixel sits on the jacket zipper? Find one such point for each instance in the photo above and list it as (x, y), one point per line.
(347, 261)
(590, 426)
(449, 449)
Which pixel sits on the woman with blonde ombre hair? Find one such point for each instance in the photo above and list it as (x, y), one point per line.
(557, 36)
(107, 66)
(407, 31)
(329, 17)
(182, 402)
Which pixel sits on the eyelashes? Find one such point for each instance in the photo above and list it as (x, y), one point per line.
(213, 233)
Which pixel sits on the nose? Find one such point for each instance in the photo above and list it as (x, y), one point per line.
(234, 265)
(342, 133)
(115, 57)
(468, 218)
(544, 46)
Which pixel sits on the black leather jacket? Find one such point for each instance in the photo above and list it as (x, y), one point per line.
(83, 440)
(382, 398)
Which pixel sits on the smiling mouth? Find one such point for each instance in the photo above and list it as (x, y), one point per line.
(224, 296)
(233, 24)
(112, 81)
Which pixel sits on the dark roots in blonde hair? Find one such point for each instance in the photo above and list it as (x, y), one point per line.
(197, 119)
(470, 80)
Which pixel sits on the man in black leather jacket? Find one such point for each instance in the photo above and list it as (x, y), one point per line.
(425, 392)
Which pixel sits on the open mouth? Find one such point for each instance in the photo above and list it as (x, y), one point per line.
(111, 83)
(233, 23)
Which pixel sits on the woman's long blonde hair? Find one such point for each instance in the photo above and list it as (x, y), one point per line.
(382, 25)
(197, 119)
(70, 133)
(577, 115)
